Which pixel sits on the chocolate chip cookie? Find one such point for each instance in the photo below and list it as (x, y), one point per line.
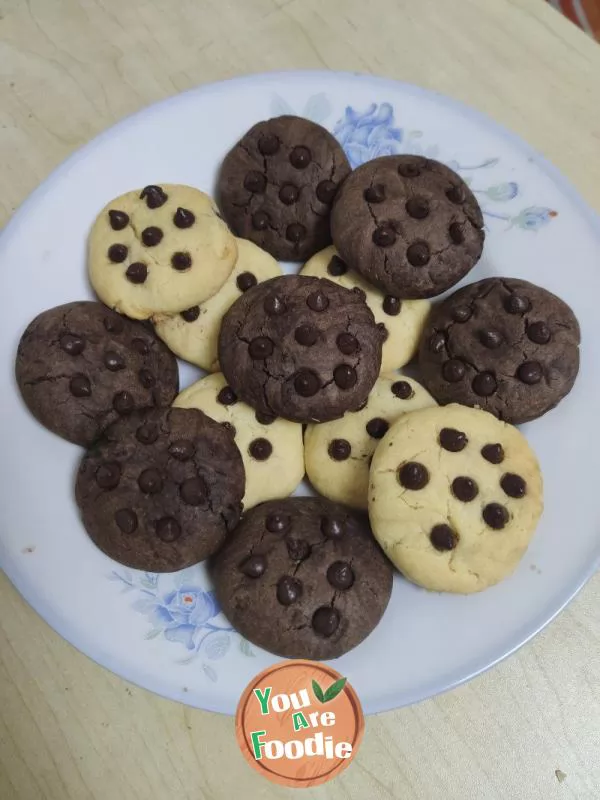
(277, 184)
(454, 498)
(81, 366)
(303, 578)
(300, 348)
(161, 489)
(409, 225)
(503, 344)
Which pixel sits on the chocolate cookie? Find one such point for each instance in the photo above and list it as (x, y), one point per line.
(408, 224)
(303, 578)
(81, 366)
(503, 344)
(300, 348)
(277, 184)
(161, 489)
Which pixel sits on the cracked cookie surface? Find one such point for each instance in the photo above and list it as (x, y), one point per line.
(503, 344)
(159, 249)
(300, 348)
(454, 498)
(303, 578)
(161, 490)
(81, 366)
(409, 225)
(277, 184)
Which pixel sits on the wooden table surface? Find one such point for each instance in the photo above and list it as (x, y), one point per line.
(70, 730)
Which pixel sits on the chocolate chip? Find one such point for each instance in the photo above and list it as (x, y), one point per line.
(146, 378)
(300, 157)
(181, 261)
(339, 449)
(530, 372)
(347, 344)
(490, 338)
(453, 370)
(383, 331)
(495, 515)
(71, 344)
(182, 449)
(413, 476)
(306, 335)
(140, 346)
(326, 191)
(183, 218)
(245, 281)
(384, 236)
(254, 566)
(538, 332)
(317, 301)
(375, 193)
(513, 485)
(194, 491)
(456, 233)
(417, 207)
(391, 305)
(268, 144)
(150, 481)
(260, 348)
(484, 384)
(123, 403)
(345, 376)
(191, 314)
(126, 520)
(437, 342)
(298, 549)
(118, 219)
(402, 389)
(409, 169)
(152, 236)
(117, 253)
(494, 453)
(229, 428)
(227, 397)
(452, 440)
(333, 528)
(80, 386)
(455, 194)
(136, 272)
(418, 254)
(274, 306)
(516, 304)
(288, 194)
(289, 590)
(377, 427)
(462, 313)
(442, 537)
(147, 433)
(113, 361)
(168, 529)
(295, 232)
(260, 220)
(278, 523)
(340, 575)
(255, 182)
(337, 267)
(108, 475)
(326, 621)
(154, 196)
(260, 449)
(263, 418)
(306, 383)
(464, 489)
(114, 324)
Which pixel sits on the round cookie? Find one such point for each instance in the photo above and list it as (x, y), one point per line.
(271, 449)
(81, 366)
(161, 249)
(194, 333)
(454, 498)
(303, 578)
(277, 184)
(503, 344)
(409, 225)
(161, 489)
(300, 348)
(401, 321)
(338, 453)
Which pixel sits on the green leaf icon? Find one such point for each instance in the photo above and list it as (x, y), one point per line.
(318, 692)
(334, 690)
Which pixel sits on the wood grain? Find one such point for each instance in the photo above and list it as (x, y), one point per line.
(69, 730)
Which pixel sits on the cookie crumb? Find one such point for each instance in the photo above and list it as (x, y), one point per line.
(27, 550)
(560, 775)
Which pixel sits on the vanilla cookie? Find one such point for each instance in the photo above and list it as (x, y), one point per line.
(338, 453)
(194, 333)
(401, 321)
(161, 249)
(454, 498)
(271, 448)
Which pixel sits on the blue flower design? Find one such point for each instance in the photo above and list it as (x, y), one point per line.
(533, 218)
(368, 134)
(182, 613)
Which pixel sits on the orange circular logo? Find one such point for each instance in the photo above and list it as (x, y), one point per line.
(299, 723)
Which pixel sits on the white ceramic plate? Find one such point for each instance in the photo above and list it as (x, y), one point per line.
(165, 632)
